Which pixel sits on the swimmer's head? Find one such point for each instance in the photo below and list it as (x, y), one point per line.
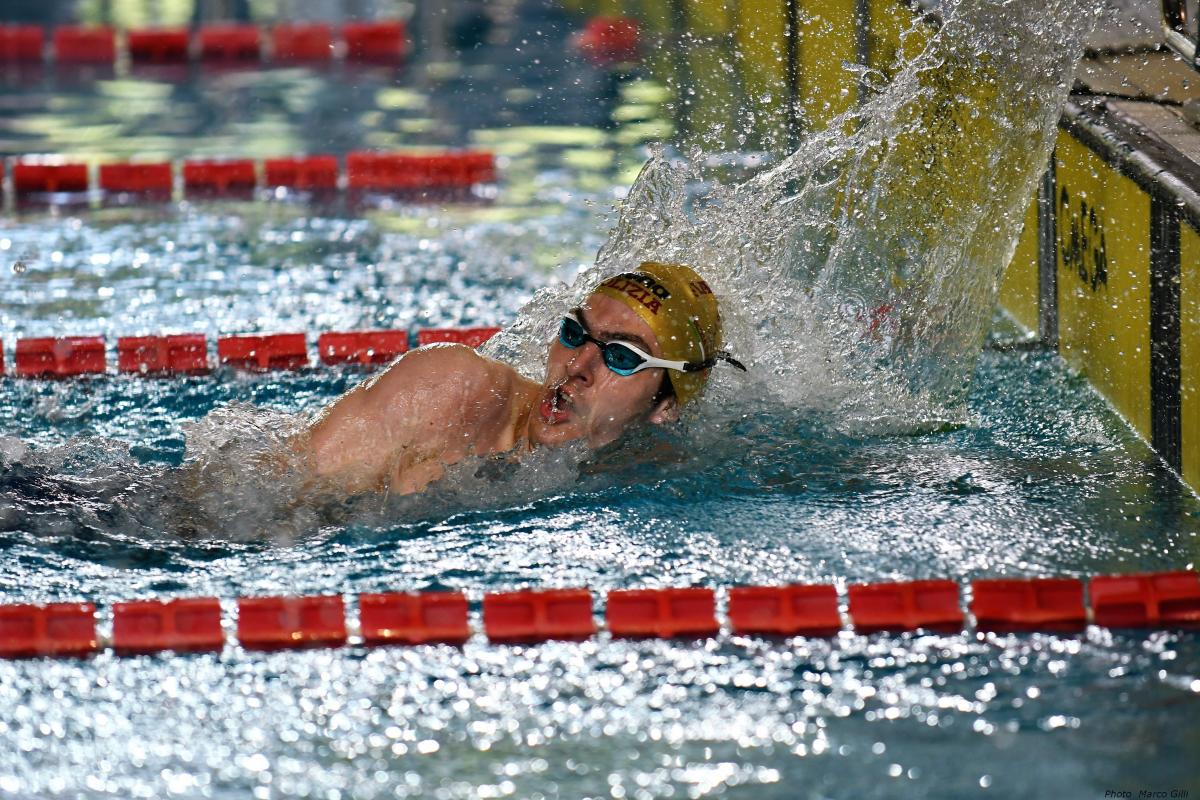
(681, 310)
(637, 349)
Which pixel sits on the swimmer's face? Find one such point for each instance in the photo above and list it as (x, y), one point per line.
(583, 398)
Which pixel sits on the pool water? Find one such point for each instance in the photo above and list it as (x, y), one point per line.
(1043, 479)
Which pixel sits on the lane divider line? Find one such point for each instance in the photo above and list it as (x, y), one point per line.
(1054, 604)
(379, 42)
(930, 604)
(183, 354)
(188, 354)
(662, 613)
(533, 615)
(53, 629)
(186, 624)
(471, 337)
(413, 618)
(1159, 600)
(795, 610)
(404, 174)
(22, 44)
(277, 623)
(1144, 600)
(288, 351)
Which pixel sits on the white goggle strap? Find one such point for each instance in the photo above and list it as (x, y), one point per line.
(650, 361)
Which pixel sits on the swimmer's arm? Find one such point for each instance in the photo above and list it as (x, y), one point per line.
(409, 413)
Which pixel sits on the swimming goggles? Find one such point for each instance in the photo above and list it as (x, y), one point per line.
(624, 358)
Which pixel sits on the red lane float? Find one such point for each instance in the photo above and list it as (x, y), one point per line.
(185, 354)
(906, 606)
(62, 357)
(216, 177)
(22, 44)
(1160, 600)
(300, 43)
(365, 171)
(158, 45)
(271, 351)
(374, 41)
(55, 629)
(406, 172)
(380, 42)
(478, 166)
(29, 178)
(183, 625)
(276, 623)
(305, 173)
(148, 179)
(361, 347)
(456, 170)
(230, 43)
(382, 171)
(1152, 600)
(471, 337)
(538, 615)
(74, 44)
(664, 613)
(416, 618)
(1027, 604)
(606, 41)
(795, 610)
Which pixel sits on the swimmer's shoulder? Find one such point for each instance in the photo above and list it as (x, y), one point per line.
(447, 361)
(447, 371)
(422, 402)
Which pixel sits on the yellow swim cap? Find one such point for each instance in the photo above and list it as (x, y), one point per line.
(681, 309)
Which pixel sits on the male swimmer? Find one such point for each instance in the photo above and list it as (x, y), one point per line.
(638, 349)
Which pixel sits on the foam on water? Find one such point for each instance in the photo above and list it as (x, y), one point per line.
(857, 277)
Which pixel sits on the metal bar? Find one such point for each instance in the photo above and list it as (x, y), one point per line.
(1165, 404)
(793, 74)
(862, 44)
(1048, 257)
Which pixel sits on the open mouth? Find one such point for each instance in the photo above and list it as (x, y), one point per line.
(555, 406)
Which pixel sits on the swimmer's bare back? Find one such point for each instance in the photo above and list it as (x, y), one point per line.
(399, 430)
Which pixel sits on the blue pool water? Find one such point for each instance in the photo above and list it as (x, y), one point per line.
(1041, 479)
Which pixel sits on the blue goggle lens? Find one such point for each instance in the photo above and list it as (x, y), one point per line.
(617, 357)
(571, 334)
(620, 359)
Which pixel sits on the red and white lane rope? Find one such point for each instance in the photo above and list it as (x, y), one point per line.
(445, 173)
(1163, 600)
(605, 41)
(188, 354)
(384, 42)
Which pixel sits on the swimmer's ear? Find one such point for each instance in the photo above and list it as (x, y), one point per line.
(666, 410)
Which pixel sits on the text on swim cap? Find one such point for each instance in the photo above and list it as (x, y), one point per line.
(641, 287)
